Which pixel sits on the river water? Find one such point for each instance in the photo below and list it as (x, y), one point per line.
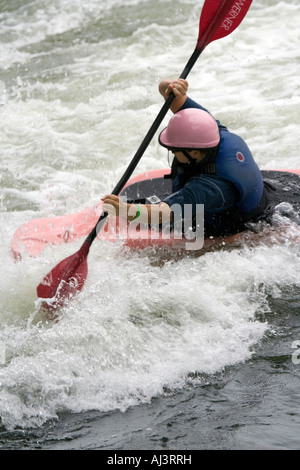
(191, 353)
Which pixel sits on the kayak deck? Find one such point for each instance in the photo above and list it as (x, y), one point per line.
(149, 187)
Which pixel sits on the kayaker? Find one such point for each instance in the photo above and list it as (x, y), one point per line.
(211, 167)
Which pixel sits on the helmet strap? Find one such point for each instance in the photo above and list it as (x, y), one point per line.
(187, 155)
(207, 164)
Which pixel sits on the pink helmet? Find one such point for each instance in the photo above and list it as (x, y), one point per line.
(191, 128)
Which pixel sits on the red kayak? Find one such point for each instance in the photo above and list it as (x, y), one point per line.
(32, 237)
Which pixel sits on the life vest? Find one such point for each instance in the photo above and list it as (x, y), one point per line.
(235, 163)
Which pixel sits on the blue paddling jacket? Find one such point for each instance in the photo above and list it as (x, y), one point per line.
(235, 163)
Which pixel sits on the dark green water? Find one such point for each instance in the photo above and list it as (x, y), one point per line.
(250, 406)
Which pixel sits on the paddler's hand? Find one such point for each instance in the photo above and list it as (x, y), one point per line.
(142, 213)
(114, 205)
(179, 87)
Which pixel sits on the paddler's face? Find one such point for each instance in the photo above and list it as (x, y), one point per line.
(195, 154)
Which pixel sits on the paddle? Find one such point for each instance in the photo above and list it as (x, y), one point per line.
(218, 19)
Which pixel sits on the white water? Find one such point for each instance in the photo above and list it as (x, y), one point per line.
(78, 92)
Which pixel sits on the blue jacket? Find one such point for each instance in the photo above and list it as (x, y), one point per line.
(236, 164)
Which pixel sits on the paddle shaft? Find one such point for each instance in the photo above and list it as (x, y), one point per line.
(153, 128)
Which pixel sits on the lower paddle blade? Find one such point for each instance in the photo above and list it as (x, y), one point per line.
(64, 281)
(219, 18)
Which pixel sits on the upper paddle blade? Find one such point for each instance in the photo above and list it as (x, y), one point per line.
(219, 18)
(65, 280)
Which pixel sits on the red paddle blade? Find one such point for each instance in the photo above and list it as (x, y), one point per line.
(64, 281)
(219, 18)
